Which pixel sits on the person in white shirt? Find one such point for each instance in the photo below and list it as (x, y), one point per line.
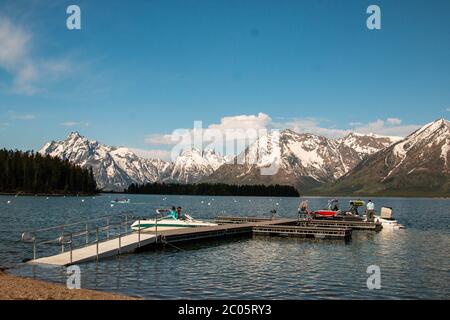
(370, 211)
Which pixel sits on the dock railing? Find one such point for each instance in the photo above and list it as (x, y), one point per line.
(79, 234)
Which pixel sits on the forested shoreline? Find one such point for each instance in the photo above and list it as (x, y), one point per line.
(213, 189)
(26, 172)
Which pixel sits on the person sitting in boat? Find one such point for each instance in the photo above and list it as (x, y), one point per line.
(173, 213)
(179, 213)
(353, 209)
(333, 205)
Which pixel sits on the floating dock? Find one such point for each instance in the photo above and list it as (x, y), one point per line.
(228, 226)
(323, 223)
(108, 248)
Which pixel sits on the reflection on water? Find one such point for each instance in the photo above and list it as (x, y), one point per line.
(414, 262)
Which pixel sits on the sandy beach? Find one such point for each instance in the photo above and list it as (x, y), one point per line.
(20, 288)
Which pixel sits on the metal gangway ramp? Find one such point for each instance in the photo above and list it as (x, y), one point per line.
(87, 240)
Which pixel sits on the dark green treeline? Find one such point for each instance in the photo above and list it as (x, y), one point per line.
(216, 189)
(28, 172)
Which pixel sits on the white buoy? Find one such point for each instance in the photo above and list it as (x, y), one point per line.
(202, 202)
(112, 205)
(209, 203)
(9, 201)
(276, 203)
(82, 200)
(46, 198)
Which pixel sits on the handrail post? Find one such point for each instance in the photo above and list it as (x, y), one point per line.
(71, 247)
(139, 233)
(120, 237)
(34, 248)
(96, 235)
(107, 228)
(87, 233)
(156, 226)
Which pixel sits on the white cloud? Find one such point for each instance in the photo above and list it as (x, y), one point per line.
(387, 128)
(259, 121)
(14, 43)
(160, 139)
(75, 123)
(16, 58)
(394, 121)
(18, 116)
(311, 125)
(227, 126)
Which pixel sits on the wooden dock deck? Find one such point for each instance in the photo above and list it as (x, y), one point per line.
(107, 248)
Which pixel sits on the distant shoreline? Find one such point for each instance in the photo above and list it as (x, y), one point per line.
(46, 194)
(444, 197)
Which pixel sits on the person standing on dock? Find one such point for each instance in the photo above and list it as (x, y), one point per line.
(370, 211)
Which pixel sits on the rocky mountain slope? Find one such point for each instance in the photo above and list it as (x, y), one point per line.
(367, 144)
(418, 164)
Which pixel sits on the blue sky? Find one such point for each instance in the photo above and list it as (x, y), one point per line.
(138, 70)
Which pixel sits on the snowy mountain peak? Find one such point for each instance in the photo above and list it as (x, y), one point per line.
(114, 168)
(74, 135)
(367, 144)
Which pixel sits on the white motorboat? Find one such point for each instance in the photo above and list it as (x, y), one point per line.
(387, 219)
(389, 223)
(170, 222)
(121, 201)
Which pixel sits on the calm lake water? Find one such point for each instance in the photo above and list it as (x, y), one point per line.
(414, 262)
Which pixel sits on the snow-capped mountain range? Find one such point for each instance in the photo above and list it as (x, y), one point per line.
(303, 160)
(115, 168)
(303, 157)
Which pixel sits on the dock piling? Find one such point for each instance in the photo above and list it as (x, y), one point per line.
(139, 233)
(71, 248)
(96, 233)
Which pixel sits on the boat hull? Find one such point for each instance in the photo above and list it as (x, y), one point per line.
(325, 213)
(161, 225)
